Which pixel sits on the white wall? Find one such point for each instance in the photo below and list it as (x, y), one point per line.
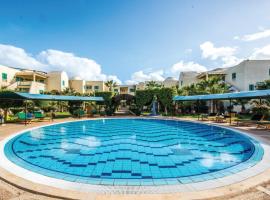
(187, 78)
(78, 85)
(10, 75)
(248, 72)
(55, 81)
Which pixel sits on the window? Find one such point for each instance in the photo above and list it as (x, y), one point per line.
(131, 90)
(18, 79)
(251, 87)
(181, 83)
(233, 76)
(115, 90)
(89, 87)
(4, 77)
(63, 83)
(96, 87)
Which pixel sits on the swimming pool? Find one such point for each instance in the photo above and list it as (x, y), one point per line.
(133, 151)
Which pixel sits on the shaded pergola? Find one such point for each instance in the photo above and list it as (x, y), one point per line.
(19, 96)
(256, 94)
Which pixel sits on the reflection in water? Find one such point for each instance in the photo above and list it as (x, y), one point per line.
(83, 128)
(133, 137)
(208, 160)
(64, 144)
(89, 141)
(225, 157)
(63, 129)
(37, 134)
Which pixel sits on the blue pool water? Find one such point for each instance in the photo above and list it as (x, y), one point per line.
(133, 151)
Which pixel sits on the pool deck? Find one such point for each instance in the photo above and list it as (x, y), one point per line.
(14, 187)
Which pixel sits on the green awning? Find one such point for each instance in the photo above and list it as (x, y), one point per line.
(6, 95)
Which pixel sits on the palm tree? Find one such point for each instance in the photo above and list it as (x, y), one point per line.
(260, 106)
(111, 85)
(189, 90)
(265, 85)
(213, 85)
(69, 91)
(153, 85)
(242, 103)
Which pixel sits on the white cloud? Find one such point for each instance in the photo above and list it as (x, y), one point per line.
(261, 53)
(212, 52)
(230, 61)
(73, 65)
(188, 66)
(17, 57)
(224, 54)
(141, 76)
(53, 60)
(254, 36)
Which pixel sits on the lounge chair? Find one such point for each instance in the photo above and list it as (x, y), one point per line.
(41, 116)
(213, 116)
(208, 117)
(22, 117)
(263, 124)
(253, 120)
(203, 117)
(79, 113)
(220, 119)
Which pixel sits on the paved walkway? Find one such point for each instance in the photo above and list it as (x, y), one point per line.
(236, 192)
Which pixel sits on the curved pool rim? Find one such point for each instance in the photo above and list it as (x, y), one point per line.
(219, 181)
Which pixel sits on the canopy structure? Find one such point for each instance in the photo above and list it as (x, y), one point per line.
(9, 95)
(226, 96)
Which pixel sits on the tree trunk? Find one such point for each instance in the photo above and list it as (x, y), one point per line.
(5, 114)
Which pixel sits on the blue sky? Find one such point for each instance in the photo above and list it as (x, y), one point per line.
(132, 40)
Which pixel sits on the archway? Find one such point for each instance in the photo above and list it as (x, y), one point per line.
(123, 102)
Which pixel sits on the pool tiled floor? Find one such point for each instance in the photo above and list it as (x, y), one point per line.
(187, 187)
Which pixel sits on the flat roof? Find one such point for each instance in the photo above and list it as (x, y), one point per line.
(7, 95)
(235, 95)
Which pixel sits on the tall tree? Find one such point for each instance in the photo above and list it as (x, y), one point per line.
(265, 85)
(153, 85)
(111, 85)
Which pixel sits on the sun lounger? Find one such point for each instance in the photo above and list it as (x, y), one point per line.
(254, 119)
(203, 117)
(41, 116)
(79, 113)
(22, 117)
(220, 119)
(263, 124)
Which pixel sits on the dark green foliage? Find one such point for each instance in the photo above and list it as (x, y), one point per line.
(9, 103)
(165, 97)
(108, 101)
(144, 97)
(263, 85)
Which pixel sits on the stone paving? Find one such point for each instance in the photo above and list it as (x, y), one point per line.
(249, 192)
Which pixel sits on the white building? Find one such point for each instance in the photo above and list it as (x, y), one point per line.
(57, 80)
(188, 78)
(7, 75)
(248, 73)
(241, 77)
(170, 82)
(77, 84)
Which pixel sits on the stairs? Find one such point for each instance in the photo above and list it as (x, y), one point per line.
(123, 111)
